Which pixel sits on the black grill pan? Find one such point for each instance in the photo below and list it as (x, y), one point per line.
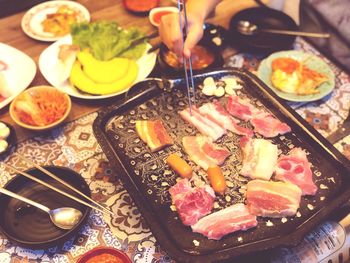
(148, 179)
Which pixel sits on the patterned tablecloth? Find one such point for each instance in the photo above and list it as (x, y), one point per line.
(75, 146)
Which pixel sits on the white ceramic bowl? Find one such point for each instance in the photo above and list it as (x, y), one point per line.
(159, 11)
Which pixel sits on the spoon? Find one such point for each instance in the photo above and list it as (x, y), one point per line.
(64, 217)
(248, 28)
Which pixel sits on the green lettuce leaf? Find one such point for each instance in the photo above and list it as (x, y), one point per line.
(107, 40)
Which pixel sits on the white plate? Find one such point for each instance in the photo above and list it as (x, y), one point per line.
(48, 63)
(19, 72)
(31, 21)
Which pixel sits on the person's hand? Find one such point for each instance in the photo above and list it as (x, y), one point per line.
(171, 33)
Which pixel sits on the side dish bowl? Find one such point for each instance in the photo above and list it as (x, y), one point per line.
(40, 108)
(103, 254)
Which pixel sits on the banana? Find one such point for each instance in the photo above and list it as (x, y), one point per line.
(80, 80)
(103, 71)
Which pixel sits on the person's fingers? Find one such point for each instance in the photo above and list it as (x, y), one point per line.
(195, 34)
(170, 32)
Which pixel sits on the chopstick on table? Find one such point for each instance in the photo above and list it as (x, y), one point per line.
(57, 190)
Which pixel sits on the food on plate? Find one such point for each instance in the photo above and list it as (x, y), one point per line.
(179, 165)
(202, 123)
(217, 179)
(201, 56)
(5, 91)
(59, 23)
(153, 133)
(3, 145)
(240, 108)
(81, 81)
(259, 158)
(203, 152)
(4, 131)
(106, 40)
(268, 126)
(66, 56)
(217, 113)
(295, 168)
(231, 219)
(156, 14)
(104, 72)
(140, 6)
(4, 135)
(3, 66)
(292, 76)
(40, 108)
(192, 203)
(272, 199)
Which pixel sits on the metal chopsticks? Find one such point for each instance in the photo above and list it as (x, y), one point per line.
(184, 25)
(104, 211)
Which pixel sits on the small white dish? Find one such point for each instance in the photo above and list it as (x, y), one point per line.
(18, 71)
(156, 13)
(32, 19)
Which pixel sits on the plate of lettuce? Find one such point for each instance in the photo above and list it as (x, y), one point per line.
(97, 60)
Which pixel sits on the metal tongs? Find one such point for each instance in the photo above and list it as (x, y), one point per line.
(187, 63)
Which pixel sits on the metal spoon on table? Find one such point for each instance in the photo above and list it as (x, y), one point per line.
(248, 28)
(64, 217)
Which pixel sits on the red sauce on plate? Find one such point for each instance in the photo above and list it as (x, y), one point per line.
(158, 15)
(140, 5)
(105, 258)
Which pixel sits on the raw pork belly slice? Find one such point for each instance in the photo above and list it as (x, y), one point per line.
(203, 124)
(272, 199)
(295, 168)
(240, 108)
(268, 126)
(153, 133)
(217, 113)
(203, 152)
(259, 158)
(223, 222)
(192, 203)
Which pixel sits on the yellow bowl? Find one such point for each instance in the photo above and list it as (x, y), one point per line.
(35, 92)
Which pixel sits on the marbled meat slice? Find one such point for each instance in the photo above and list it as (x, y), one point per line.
(272, 199)
(231, 219)
(241, 108)
(295, 168)
(268, 126)
(259, 158)
(153, 133)
(192, 203)
(203, 152)
(205, 126)
(217, 113)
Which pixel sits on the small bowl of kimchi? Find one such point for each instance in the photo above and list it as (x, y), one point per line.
(40, 108)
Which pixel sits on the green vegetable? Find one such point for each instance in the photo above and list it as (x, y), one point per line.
(106, 40)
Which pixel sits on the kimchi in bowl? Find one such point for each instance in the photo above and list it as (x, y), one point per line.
(40, 108)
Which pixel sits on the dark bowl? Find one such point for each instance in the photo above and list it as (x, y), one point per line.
(11, 140)
(263, 17)
(30, 227)
(174, 72)
(104, 250)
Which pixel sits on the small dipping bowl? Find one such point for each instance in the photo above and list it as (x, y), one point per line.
(156, 14)
(205, 56)
(101, 254)
(44, 97)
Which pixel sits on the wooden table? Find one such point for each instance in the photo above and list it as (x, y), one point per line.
(12, 34)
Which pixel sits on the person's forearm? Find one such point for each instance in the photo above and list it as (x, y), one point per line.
(201, 8)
